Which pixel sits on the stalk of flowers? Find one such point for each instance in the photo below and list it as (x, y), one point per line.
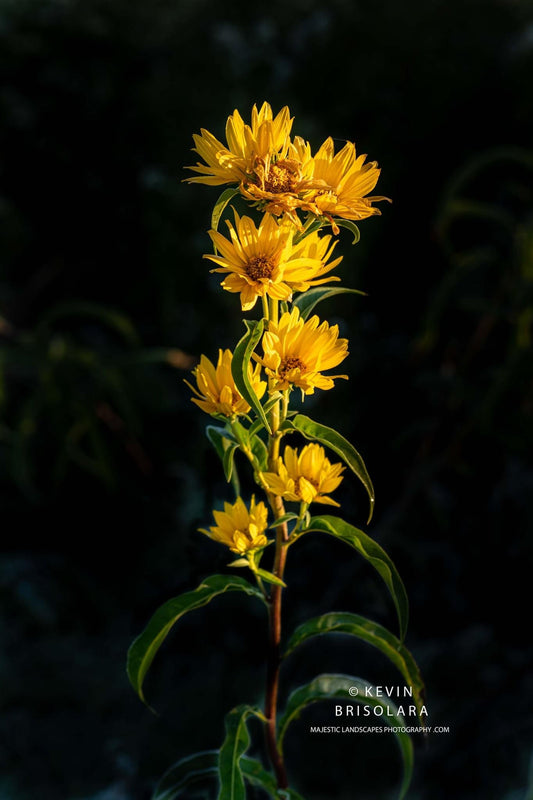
(282, 258)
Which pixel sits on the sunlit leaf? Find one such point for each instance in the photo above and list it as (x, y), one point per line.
(239, 367)
(269, 577)
(374, 554)
(290, 515)
(308, 300)
(228, 462)
(327, 686)
(220, 205)
(260, 451)
(144, 648)
(351, 226)
(368, 631)
(341, 446)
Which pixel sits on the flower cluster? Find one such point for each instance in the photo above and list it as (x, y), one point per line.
(277, 258)
(280, 175)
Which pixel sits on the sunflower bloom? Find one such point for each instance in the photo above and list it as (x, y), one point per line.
(278, 184)
(265, 261)
(344, 180)
(248, 147)
(216, 392)
(307, 477)
(239, 528)
(295, 353)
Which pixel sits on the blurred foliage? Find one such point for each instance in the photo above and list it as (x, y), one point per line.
(105, 301)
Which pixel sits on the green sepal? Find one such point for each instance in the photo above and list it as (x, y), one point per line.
(235, 745)
(239, 367)
(239, 562)
(144, 648)
(341, 446)
(374, 554)
(328, 686)
(368, 631)
(351, 226)
(220, 205)
(308, 300)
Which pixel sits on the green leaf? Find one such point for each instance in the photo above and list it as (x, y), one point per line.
(328, 686)
(228, 462)
(368, 631)
(269, 577)
(284, 518)
(144, 648)
(374, 554)
(271, 402)
(220, 205)
(260, 451)
(234, 746)
(186, 772)
(308, 300)
(239, 367)
(223, 442)
(341, 446)
(351, 226)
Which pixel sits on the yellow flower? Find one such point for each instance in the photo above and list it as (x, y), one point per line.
(248, 147)
(265, 261)
(308, 477)
(277, 183)
(342, 182)
(240, 529)
(217, 393)
(296, 352)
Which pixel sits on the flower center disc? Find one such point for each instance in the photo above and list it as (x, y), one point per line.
(290, 363)
(280, 179)
(259, 267)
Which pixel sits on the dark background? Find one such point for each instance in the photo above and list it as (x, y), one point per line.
(106, 305)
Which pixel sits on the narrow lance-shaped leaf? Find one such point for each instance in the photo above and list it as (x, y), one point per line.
(228, 462)
(144, 648)
(341, 446)
(328, 686)
(239, 367)
(374, 554)
(368, 631)
(235, 744)
(309, 299)
(351, 226)
(220, 205)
